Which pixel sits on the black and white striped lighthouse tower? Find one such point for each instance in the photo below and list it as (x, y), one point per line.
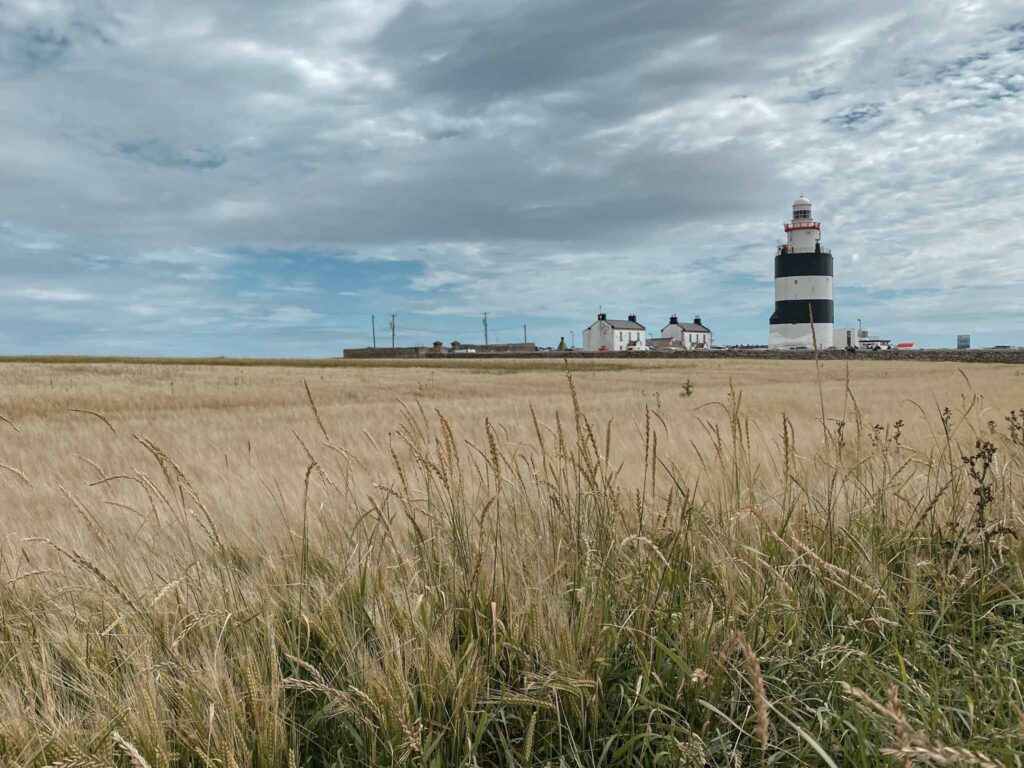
(803, 285)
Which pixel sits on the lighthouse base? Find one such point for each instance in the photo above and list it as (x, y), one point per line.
(799, 335)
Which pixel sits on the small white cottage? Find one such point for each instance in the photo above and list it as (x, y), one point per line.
(606, 335)
(693, 335)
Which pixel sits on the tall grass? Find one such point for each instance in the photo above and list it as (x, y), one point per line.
(849, 601)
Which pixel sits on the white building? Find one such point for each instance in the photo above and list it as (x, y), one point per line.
(606, 335)
(849, 337)
(693, 335)
(803, 286)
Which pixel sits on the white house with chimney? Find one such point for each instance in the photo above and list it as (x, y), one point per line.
(693, 335)
(606, 335)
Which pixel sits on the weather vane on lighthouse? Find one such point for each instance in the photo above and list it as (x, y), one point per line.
(804, 306)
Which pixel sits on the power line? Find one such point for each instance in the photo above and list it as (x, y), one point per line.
(464, 332)
(485, 331)
(446, 331)
(507, 328)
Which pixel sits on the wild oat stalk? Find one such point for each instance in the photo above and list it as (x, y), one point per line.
(753, 667)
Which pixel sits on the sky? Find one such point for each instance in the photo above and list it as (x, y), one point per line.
(251, 178)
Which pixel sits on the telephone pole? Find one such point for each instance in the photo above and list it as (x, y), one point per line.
(373, 328)
(524, 333)
(392, 331)
(486, 338)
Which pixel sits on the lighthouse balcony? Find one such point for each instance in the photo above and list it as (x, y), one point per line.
(791, 226)
(789, 249)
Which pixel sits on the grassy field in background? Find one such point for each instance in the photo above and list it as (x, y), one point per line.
(505, 563)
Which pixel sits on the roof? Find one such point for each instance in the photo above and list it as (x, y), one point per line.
(801, 201)
(625, 325)
(691, 327)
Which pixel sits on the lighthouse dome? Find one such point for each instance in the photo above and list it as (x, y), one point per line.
(801, 201)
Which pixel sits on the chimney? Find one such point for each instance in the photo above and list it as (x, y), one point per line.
(602, 316)
(632, 318)
(696, 320)
(673, 320)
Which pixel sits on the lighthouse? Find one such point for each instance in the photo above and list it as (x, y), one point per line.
(803, 285)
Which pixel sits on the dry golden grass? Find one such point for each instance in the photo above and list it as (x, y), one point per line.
(482, 562)
(230, 428)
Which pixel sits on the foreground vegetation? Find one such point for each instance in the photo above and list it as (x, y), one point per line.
(850, 594)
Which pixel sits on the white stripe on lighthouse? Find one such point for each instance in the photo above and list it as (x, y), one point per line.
(803, 287)
(800, 335)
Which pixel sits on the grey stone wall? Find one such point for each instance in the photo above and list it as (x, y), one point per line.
(1008, 356)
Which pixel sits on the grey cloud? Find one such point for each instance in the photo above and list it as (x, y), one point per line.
(496, 52)
(32, 48)
(164, 155)
(35, 36)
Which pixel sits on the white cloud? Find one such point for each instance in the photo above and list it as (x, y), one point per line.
(237, 210)
(58, 295)
(291, 315)
(191, 256)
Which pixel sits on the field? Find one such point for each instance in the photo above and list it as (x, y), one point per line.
(484, 563)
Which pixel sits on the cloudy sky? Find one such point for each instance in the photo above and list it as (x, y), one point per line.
(244, 177)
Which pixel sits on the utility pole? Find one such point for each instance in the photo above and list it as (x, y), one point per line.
(373, 327)
(486, 337)
(392, 331)
(524, 333)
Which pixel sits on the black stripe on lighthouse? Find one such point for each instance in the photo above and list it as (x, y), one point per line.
(800, 311)
(810, 264)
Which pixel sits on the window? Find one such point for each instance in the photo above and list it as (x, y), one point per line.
(801, 215)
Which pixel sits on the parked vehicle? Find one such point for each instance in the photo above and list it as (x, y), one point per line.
(876, 345)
